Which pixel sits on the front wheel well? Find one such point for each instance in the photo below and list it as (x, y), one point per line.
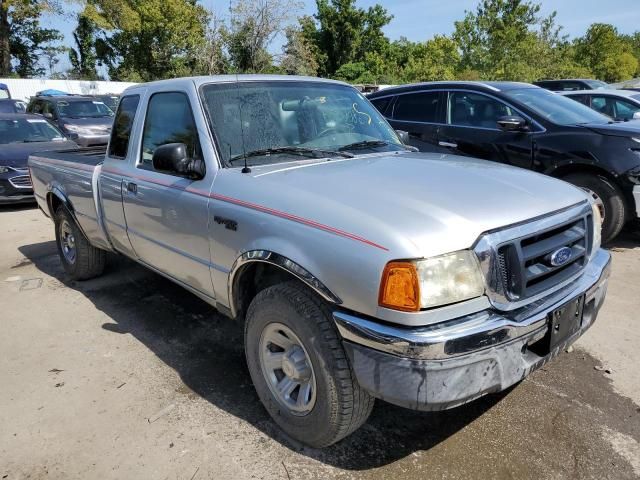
(53, 202)
(572, 168)
(251, 279)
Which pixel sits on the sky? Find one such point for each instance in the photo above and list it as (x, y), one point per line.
(419, 20)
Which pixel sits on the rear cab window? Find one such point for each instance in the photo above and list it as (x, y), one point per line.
(122, 126)
(419, 107)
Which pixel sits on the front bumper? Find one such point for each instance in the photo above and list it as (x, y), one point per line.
(445, 365)
(14, 189)
(636, 197)
(88, 140)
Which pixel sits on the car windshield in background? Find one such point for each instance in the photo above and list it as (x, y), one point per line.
(83, 109)
(277, 121)
(556, 108)
(597, 84)
(12, 106)
(28, 130)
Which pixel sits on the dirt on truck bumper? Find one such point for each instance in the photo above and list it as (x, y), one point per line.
(446, 365)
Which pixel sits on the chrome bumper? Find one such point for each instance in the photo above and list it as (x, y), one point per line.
(89, 140)
(445, 365)
(636, 196)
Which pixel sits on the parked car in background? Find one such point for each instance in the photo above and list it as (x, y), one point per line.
(10, 105)
(529, 127)
(84, 120)
(621, 105)
(110, 101)
(4, 91)
(571, 84)
(359, 267)
(20, 136)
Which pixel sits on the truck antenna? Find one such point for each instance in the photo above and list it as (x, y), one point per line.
(246, 168)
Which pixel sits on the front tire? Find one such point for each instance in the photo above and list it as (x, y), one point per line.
(608, 196)
(299, 367)
(80, 259)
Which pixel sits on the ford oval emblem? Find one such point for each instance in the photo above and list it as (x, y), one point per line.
(561, 256)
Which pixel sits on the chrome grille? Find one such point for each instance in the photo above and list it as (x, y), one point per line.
(516, 261)
(21, 181)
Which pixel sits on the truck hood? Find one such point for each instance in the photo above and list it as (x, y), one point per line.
(618, 129)
(17, 154)
(419, 203)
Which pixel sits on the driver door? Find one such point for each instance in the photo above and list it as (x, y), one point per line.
(166, 214)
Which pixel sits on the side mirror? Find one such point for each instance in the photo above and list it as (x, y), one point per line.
(636, 115)
(404, 136)
(173, 158)
(512, 123)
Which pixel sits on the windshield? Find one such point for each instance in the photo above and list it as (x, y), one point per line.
(597, 84)
(83, 109)
(27, 130)
(12, 106)
(288, 117)
(556, 108)
(110, 101)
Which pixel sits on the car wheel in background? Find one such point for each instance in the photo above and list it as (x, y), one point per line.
(299, 367)
(607, 197)
(80, 259)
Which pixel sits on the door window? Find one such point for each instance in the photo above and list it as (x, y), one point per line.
(122, 126)
(603, 105)
(381, 103)
(584, 99)
(624, 110)
(475, 110)
(169, 120)
(418, 107)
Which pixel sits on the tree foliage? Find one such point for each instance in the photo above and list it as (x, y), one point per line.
(608, 55)
(145, 40)
(23, 40)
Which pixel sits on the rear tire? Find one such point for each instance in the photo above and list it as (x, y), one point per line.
(605, 192)
(80, 259)
(338, 405)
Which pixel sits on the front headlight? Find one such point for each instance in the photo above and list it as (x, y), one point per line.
(597, 228)
(4, 169)
(413, 285)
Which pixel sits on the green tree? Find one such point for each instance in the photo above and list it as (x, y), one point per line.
(84, 57)
(606, 53)
(436, 59)
(501, 39)
(343, 33)
(23, 40)
(298, 58)
(146, 40)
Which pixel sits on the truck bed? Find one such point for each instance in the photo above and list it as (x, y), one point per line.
(91, 156)
(67, 176)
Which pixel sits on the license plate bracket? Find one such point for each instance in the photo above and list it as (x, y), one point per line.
(564, 322)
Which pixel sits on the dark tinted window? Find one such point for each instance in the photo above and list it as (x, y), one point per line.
(381, 104)
(475, 110)
(35, 107)
(12, 106)
(584, 99)
(122, 126)
(418, 107)
(169, 120)
(615, 108)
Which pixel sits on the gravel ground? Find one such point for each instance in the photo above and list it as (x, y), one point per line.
(130, 377)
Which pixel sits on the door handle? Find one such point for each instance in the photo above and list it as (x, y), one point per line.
(132, 188)
(448, 144)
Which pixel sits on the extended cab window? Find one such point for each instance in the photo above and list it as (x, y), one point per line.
(475, 110)
(418, 107)
(119, 144)
(169, 120)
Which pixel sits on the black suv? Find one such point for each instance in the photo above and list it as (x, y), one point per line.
(529, 127)
(571, 84)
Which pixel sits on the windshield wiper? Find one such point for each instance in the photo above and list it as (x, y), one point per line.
(302, 151)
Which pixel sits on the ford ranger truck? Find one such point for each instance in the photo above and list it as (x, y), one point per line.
(360, 268)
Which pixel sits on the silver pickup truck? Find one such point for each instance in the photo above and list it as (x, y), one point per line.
(360, 268)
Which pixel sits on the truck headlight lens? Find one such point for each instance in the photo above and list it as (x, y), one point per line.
(597, 228)
(451, 278)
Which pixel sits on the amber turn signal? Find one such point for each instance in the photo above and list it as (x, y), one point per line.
(399, 288)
